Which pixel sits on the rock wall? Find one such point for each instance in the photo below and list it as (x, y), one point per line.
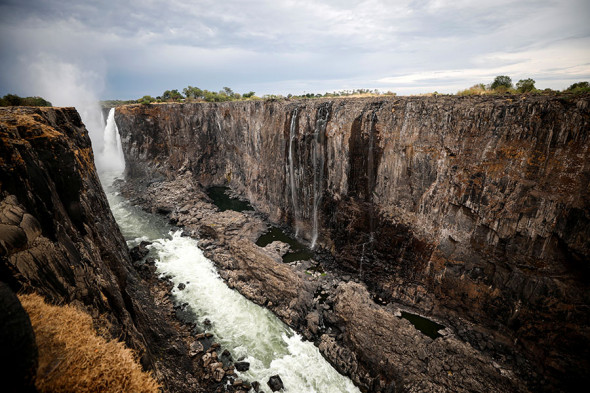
(472, 208)
(58, 237)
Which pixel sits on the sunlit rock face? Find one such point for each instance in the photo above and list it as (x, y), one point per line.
(468, 207)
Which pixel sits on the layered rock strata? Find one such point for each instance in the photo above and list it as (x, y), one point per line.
(58, 238)
(472, 208)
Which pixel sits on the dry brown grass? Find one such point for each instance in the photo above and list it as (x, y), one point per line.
(73, 358)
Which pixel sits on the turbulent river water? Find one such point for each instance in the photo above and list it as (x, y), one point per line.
(247, 330)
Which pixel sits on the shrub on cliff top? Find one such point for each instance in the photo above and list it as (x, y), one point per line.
(73, 358)
(579, 87)
(146, 100)
(501, 82)
(525, 85)
(478, 89)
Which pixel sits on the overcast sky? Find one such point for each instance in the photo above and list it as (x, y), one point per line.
(126, 49)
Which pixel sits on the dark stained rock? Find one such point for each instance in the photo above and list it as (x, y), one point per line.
(242, 366)
(18, 358)
(140, 251)
(275, 383)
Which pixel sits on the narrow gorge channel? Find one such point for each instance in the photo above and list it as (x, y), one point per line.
(249, 332)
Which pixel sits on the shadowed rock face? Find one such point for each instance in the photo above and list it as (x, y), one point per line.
(58, 237)
(474, 207)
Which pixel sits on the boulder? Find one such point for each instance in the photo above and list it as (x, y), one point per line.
(275, 383)
(242, 366)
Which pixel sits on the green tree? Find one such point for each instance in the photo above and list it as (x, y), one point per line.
(193, 92)
(502, 82)
(227, 91)
(14, 100)
(248, 95)
(579, 87)
(172, 95)
(146, 100)
(525, 85)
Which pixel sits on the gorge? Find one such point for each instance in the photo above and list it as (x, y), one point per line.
(473, 210)
(470, 211)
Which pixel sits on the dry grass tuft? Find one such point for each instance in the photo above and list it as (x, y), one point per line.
(73, 358)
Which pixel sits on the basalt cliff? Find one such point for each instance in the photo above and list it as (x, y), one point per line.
(472, 210)
(58, 238)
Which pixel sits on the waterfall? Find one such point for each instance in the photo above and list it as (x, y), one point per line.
(369, 242)
(371, 171)
(318, 168)
(292, 171)
(370, 186)
(110, 158)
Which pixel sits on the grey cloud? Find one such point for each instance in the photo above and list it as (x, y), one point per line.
(147, 46)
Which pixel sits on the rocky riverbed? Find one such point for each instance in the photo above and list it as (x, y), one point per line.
(361, 336)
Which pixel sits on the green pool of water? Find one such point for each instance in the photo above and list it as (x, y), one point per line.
(225, 202)
(298, 251)
(426, 326)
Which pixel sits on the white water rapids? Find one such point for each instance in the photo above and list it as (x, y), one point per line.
(247, 330)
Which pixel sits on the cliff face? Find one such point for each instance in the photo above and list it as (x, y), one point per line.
(58, 237)
(469, 207)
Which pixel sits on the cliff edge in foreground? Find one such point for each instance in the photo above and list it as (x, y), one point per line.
(59, 239)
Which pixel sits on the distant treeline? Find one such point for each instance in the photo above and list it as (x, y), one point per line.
(14, 100)
(195, 94)
(502, 84)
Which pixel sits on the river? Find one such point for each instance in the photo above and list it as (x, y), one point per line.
(248, 331)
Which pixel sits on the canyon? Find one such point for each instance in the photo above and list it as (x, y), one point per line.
(470, 210)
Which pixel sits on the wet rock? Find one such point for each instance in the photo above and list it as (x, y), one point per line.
(275, 383)
(242, 366)
(207, 359)
(140, 251)
(256, 386)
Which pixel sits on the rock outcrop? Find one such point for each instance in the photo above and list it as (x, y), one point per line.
(470, 209)
(58, 238)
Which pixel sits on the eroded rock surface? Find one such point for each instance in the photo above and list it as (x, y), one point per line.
(471, 209)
